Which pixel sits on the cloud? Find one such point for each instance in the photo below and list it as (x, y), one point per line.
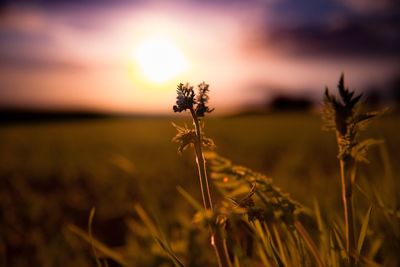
(374, 35)
(367, 6)
(29, 63)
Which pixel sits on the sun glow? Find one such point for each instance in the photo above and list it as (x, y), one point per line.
(159, 60)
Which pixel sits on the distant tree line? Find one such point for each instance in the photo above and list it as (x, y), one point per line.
(374, 97)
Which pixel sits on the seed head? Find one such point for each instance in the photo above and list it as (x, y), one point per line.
(345, 116)
(202, 100)
(185, 99)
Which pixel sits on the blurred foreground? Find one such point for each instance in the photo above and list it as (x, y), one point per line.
(52, 174)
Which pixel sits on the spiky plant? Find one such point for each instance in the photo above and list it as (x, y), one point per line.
(271, 213)
(197, 105)
(345, 117)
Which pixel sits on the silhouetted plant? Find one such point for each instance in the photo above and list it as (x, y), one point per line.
(263, 203)
(344, 116)
(198, 106)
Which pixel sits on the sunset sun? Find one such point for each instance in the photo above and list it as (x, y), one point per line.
(159, 60)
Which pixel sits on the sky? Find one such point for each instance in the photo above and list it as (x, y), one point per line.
(128, 56)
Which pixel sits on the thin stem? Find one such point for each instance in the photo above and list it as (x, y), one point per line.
(201, 165)
(347, 173)
(217, 239)
(309, 242)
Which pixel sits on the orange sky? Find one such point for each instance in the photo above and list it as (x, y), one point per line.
(84, 58)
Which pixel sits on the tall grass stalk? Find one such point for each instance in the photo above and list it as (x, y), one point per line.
(344, 116)
(347, 176)
(217, 239)
(201, 164)
(197, 105)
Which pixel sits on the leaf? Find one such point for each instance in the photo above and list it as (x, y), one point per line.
(90, 222)
(378, 201)
(362, 120)
(359, 151)
(145, 218)
(156, 233)
(184, 137)
(204, 217)
(328, 112)
(363, 231)
(353, 102)
(309, 243)
(164, 246)
(103, 249)
(208, 142)
(318, 216)
(374, 248)
(280, 244)
(193, 202)
(333, 251)
(347, 96)
(339, 241)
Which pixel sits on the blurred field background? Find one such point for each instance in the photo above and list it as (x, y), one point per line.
(86, 95)
(52, 174)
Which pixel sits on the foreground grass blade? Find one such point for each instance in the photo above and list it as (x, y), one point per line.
(310, 243)
(363, 231)
(155, 232)
(90, 222)
(168, 250)
(193, 202)
(103, 249)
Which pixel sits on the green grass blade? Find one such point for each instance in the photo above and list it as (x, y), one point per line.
(193, 202)
(280, 245)
(363, 231)
(236, 262)
(333, 252)
(155, 232)
(90, 222)
(318, 216)
(339, 241)
(144, 217)
(100, 247)
(169, 252)
(310, 243)
(264, 240)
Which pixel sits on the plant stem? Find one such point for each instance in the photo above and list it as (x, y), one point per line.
(217, 239)
(309, 242)
(347, 174)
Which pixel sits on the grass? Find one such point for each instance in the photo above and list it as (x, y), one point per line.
(53, 174)
(196, 104)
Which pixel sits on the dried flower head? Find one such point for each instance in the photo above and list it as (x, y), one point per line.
(187, 99)
(202, 100)
(187, 137)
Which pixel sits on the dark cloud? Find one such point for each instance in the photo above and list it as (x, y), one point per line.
(60, 2)
(305, 11)
(376, 35)
(31, 63)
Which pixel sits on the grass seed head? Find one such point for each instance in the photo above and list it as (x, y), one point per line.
(344, 115)
(187, 99)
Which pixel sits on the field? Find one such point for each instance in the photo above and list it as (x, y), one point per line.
(52, 174)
